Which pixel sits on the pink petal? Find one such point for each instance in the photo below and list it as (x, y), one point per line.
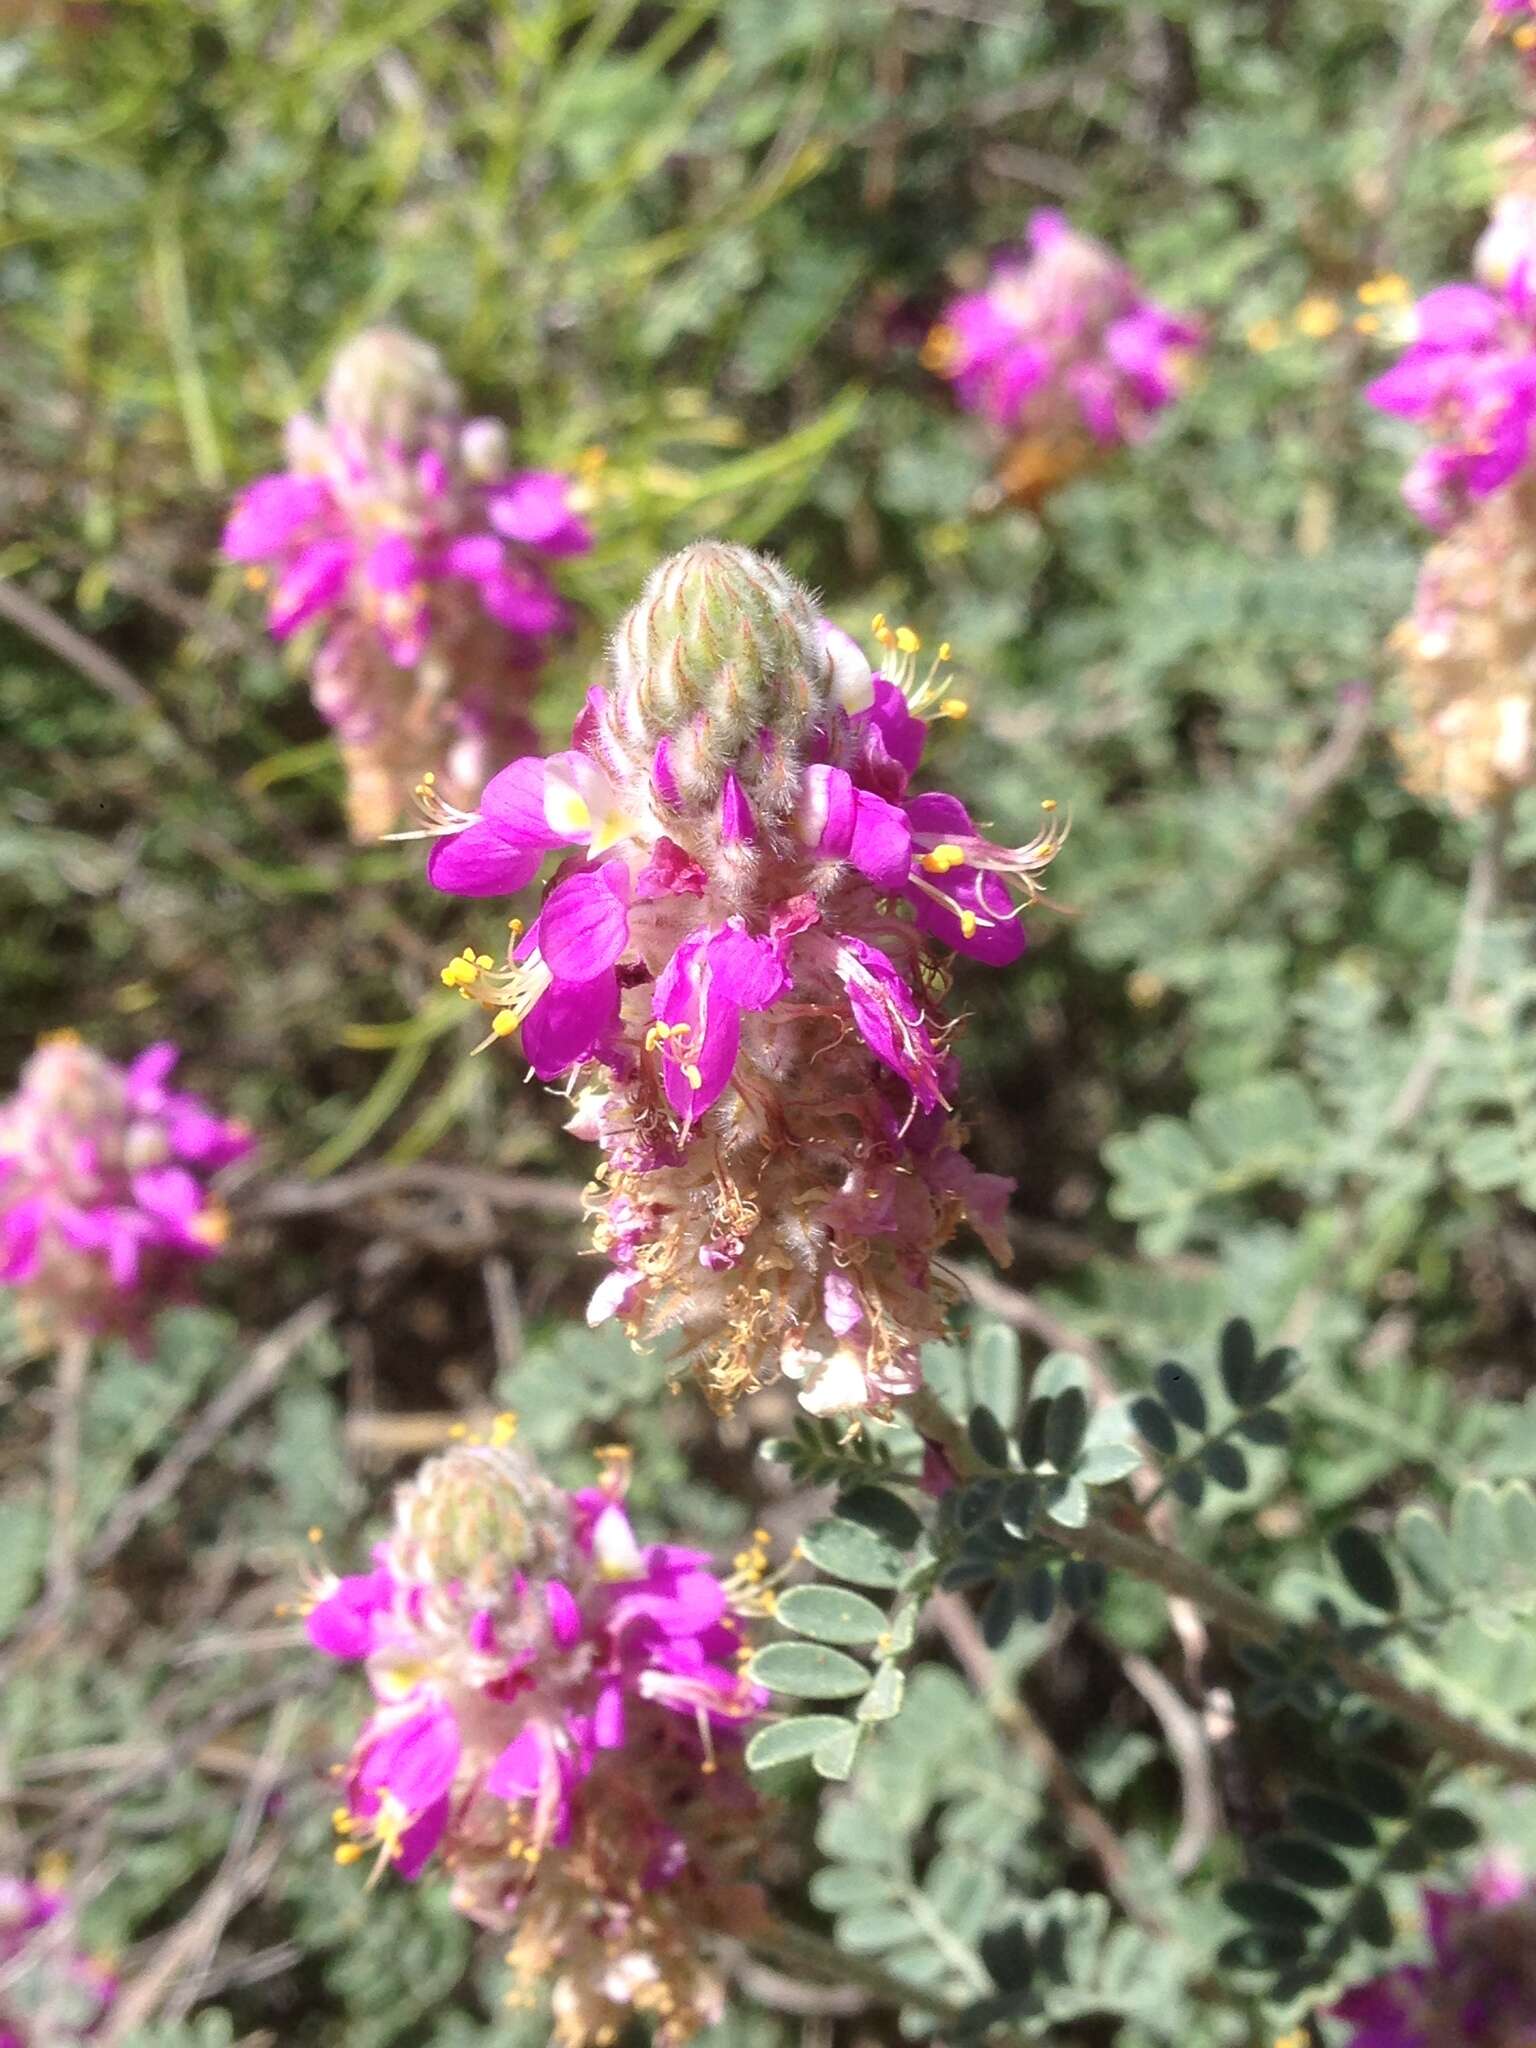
(584, 925)
(479, 862)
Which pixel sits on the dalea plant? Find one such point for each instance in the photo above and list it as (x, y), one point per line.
(740, 972)
(1063, 354)
(559, 1725)
(403, 535)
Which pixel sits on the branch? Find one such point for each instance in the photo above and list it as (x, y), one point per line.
(1239, 1612)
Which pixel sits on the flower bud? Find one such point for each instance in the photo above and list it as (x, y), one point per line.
(474, 1517)
(724, 646)
(389, 387)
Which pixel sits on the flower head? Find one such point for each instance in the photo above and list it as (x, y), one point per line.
(1478, 1988)
(1063, 351)
(739, 968)
(558, 1723)
(401, 531)
(52, 1994)
(1467, 654)
(105, 1206)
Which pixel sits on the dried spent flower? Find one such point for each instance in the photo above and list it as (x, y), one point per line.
(1064, 352)
(558, 1723)
(105, 1207)
(1467, 655)
(1478, 1988)
(51, 1993)
(400, 525)
(739, 972)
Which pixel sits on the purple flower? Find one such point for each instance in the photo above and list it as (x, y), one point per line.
(1469, 378)
(559, 1717)
(1479, 1984)
(105, 1207)
(52, 1994)
(1061, 349)
(400, 530)
(733, 960)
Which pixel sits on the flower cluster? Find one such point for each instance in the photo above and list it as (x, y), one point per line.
(559, 1720)
(1468, 374)
(739, 964)
(1467, 654)
(400, 525)
(51, 1994)
(1064, 352)
(1468, 649)
(1478, 1990)
(104, 1201)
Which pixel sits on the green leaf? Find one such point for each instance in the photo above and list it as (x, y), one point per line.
(1335, 1820)
(848, 1550)
(1271, 1376)
(1155, 1424)
(1237, 1356)
(1181, 1394)
(1226, 1465)
(1066, 1502)
(1265, 1426)
(790, 1741)
(1448, 1829)
(884, 1513)
(1271, 1905)
(999, 1614)
(837, 1886)
(1066, 1427)
(833, 1758)
(1366, 1569)
(1103, 1463)
(1373, 1917)
(1379, 1790)
(809, 1671)
(832, 1614)
(1305, 1862)
(988, 1439)
(883, 1700)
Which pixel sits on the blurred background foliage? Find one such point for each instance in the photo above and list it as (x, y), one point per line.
(689, 251)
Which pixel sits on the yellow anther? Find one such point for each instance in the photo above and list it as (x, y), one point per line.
(1524, 37)
(953, 707)
(943, 857)
(1264, 335)
(255, 579)
(945, 650)
(503, 1024)
(341, 1820)
(1367, 323)
(429, 780)
(968, 924)
(693, 1077)
(316, 1534)
(515, 927)
(348, 1852)
(1388, 290)
(1318, 316)
(877, 623)
(484, 960)
(907, 641)
(458, 1430)
(1048, 803)
(503, 1429)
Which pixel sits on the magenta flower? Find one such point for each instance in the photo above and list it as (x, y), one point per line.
(736, 965)
(105, 1207)
(1061, 349)
(1469, 377)
(1478, 1986)
(559, 1718)
(52, 1994)
(402, 533)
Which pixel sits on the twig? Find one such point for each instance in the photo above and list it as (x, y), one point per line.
(97, 666)
(1242, 1614)
(211, 1914)
(370, 1183)
(266, 1366)
(74, 1359)
(1186, 1738)
(1084, 1821)
(803, 1950)
(1484, 882)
